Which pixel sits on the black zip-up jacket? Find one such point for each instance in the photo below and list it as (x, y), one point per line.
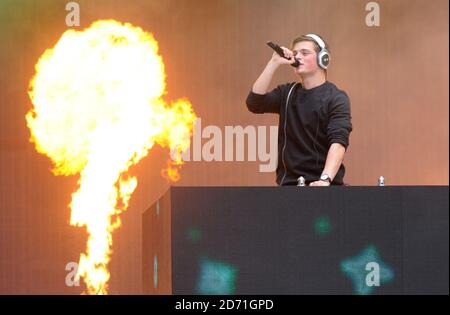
(309, 123)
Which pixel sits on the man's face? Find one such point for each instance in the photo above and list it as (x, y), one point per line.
(306, 54)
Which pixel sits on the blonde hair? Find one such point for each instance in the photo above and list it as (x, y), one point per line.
(304, 38)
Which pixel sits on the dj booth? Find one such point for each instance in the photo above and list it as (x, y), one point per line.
(297, 240)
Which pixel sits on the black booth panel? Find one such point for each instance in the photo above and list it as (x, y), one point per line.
(270, 240)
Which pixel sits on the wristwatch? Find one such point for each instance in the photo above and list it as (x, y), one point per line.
(325, 178)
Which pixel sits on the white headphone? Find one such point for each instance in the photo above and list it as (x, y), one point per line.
(323, 57)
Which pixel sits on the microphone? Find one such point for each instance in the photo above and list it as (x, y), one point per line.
(280, 52)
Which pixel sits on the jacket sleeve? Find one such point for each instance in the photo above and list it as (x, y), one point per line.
(265, 103)
(339, 120)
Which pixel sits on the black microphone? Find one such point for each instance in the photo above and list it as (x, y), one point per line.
(280, 52)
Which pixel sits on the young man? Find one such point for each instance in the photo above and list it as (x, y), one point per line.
(315, 118)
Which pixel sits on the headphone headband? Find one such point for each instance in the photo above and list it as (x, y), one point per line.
(318, 40)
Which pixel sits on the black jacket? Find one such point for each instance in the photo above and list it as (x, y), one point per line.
(312, 120)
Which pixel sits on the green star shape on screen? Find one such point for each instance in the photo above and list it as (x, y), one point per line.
(216, 277)
(322, 226)
(359, 270)
(194, 234)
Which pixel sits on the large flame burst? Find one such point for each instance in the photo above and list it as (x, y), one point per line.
(98, 109)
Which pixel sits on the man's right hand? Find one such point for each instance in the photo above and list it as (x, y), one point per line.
(261, 85)
(278, 60)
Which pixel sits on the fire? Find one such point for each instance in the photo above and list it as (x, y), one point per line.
(98, 109)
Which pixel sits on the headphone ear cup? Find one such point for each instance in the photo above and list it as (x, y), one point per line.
(323, 59)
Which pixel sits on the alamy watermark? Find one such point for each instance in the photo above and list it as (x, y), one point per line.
(71, 277)
(373, 17)
(234, 143)
(373, 276)
(73, 17)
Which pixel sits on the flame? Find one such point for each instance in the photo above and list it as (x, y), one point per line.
(98, 109)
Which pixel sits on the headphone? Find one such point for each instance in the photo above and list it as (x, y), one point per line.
(323, 57)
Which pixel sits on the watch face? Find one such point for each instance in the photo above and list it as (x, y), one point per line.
(325, 177)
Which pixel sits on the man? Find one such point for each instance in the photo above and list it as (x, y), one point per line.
(315, 118)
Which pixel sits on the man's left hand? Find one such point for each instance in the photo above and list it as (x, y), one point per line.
(319, 183)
